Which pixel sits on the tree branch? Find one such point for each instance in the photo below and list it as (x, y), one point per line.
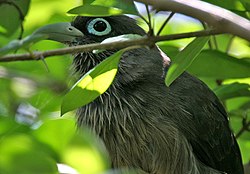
(145, 41)
(221, 19)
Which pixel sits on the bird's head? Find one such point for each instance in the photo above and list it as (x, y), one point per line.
(62, 32)
(96, 30)
(133, 63)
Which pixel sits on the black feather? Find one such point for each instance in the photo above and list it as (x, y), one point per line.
(146, 125)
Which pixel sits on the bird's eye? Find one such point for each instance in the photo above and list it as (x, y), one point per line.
(99, 27)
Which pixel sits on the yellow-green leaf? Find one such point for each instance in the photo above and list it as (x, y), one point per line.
(92, 84)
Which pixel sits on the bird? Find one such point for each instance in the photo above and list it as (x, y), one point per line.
(145, 125)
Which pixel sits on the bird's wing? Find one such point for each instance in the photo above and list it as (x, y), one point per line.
(211, 138)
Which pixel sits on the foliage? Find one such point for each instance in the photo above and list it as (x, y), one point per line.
(105, 8)
(33, 137)
(92, 84)
(18, 10)
(185, 58)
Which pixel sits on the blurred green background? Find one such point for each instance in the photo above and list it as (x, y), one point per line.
(33, 136)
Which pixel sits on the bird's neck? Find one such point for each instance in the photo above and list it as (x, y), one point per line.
(119, 108)
(131, 95)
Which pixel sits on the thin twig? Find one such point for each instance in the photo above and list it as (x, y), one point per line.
(149, 40)
(151, 31)
(220, 18)
(244, 128)
(165, 23)
(148, 13)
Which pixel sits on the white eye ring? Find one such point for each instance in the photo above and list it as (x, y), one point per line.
(91, 27)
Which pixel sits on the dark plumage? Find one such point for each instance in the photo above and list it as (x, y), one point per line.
(146, 125)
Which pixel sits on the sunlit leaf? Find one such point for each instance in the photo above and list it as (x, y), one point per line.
(85, 154)
(246, 4)
(232, 90)
(245, 149)
(184, 59)
(92, 84)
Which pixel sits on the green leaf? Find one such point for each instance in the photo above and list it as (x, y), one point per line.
(233, 5)
(245, 149)
(127, 6)
(246, 4)
(92, 84)
(87, 1)
(79, 150)
(105, 8)
(228, 4)
(20, 153)
(95, 10)
(218, 65)
(184, 59)
(228, 91)
(59, 131)
(10, 17)
(85, 153)
(8, 126)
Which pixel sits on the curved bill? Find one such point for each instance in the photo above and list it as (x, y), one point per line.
(61, 32)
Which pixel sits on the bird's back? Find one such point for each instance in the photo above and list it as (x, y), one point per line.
(212, 141)
(159, 129)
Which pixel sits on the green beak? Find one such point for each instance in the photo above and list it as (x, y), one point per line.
(60, 32)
